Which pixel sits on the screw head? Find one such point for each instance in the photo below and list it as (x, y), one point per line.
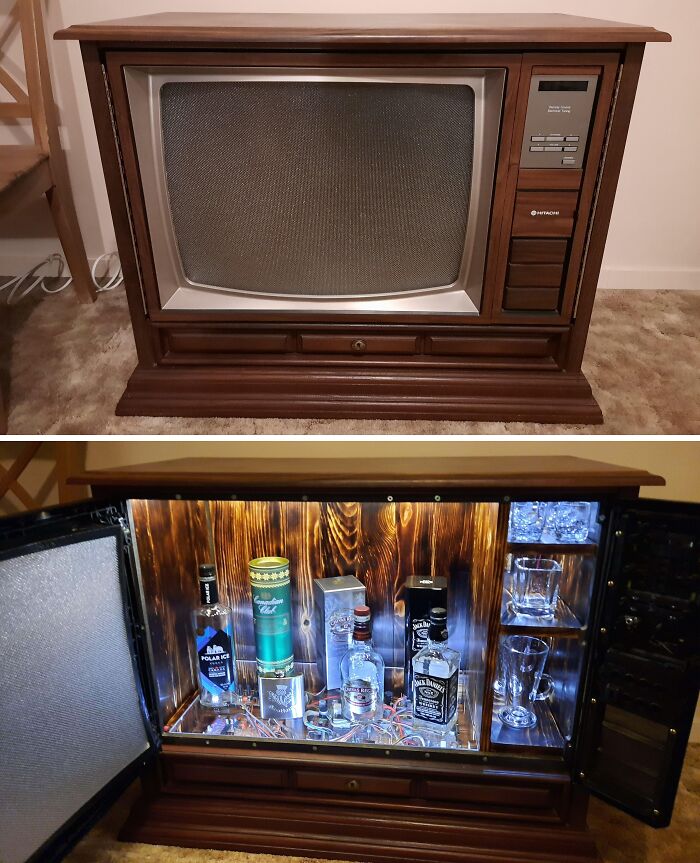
(582, 775)
(594, 701)
(618, 533)
(506, 499)
(603, 630)
(655, 813)
(437, 498)
(390, 498)
(611, 584)
(672, 731)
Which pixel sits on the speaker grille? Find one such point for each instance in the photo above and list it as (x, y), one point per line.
(327, 189)
(70, 719)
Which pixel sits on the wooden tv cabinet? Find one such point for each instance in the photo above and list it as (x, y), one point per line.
(518, 357)
(622, 653)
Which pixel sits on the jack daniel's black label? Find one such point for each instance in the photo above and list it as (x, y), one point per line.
(419, 634)
(435, 698)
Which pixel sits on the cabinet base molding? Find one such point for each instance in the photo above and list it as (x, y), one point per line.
(328, 831)
(368, 393)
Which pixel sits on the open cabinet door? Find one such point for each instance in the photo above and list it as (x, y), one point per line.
(75, 720)
(642, 684)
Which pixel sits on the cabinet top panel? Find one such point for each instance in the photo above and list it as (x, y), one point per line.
(508, 472)
(429, 29)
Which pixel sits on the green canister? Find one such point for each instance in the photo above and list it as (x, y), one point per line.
(272, 615)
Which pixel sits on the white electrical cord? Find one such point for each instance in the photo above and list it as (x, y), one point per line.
(21, 286)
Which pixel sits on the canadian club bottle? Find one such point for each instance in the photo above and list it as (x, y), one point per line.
(216, 660)
(435, 679)
(362, 673)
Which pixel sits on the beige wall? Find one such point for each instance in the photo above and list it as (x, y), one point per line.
(653, 240)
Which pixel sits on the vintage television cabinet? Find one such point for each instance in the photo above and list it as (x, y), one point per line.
(109, 584)
(361, 216)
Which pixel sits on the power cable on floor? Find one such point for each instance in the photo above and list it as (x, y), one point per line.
(20, 287)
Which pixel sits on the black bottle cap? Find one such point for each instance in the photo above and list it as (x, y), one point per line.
(438, 624)
(208, 590)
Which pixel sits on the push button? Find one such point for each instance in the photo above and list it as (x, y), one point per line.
(553, 149)
(536, 149)
(537, 138)
(571, 138)
(568, 160)
(570, 149)
(555, 138)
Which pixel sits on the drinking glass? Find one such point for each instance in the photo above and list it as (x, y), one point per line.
(571, 521)
(544, 690)
(535, 586)
(526, 521)
(525, 657)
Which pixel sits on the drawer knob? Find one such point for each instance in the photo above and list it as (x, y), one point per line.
(359, 346)
(352, 785)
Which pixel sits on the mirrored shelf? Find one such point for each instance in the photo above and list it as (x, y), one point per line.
(522, 549)
(564, 621)
(544, 735)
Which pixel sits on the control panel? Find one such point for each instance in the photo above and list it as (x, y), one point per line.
(559, 111)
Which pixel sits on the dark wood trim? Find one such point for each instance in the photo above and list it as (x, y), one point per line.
(100, 100)
(378, 29)
(603, 202)
(501, 472)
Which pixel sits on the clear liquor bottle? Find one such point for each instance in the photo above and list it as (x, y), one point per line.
(435, 680)
(362, 673)
(216, 659)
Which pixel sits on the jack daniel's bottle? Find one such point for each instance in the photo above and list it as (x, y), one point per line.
(362, 673)
(435, 679)
(216, 661)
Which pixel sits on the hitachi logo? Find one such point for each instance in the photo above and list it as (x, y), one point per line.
(544, 212)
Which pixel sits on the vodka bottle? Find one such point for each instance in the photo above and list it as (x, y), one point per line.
(435, 679)
(216, 660)
(362, 673)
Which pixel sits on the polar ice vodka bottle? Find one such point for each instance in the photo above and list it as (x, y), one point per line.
(216, 660)
(362, 673)
(435, 679)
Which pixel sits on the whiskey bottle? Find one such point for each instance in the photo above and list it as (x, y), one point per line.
(435, 679)
(362, 673)
(216, 660)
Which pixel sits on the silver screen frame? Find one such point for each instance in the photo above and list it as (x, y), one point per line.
(178, 293)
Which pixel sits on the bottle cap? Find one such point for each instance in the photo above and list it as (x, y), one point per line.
(362, 612)
(438, 624)
(207, 571)
(438, 615)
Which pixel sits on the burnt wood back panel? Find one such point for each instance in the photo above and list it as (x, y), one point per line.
(381, 543)
(172, 539)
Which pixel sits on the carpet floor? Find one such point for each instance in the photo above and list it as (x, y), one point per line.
(66, 366)
(620, 838)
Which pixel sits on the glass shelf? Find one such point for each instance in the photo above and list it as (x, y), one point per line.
(395, 730)
(544, 735)
(521, 549)
(564, 621)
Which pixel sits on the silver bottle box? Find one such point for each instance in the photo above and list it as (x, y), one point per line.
(335, 598)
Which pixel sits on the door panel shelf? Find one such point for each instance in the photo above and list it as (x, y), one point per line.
(564, 621)
(521, 549)
(544, 735)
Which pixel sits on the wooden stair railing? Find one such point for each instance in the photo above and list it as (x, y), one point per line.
(29, 171)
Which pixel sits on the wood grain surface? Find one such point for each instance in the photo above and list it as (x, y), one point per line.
(382, 543)
(172, 539)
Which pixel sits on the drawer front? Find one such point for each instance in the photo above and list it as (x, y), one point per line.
(531, 299)
(189, 343)
(184, 771)
(353, 783)
(357, 345)
(535, 347)
(544, 214)
(527, 251)
(490, 794)
(535, 275)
